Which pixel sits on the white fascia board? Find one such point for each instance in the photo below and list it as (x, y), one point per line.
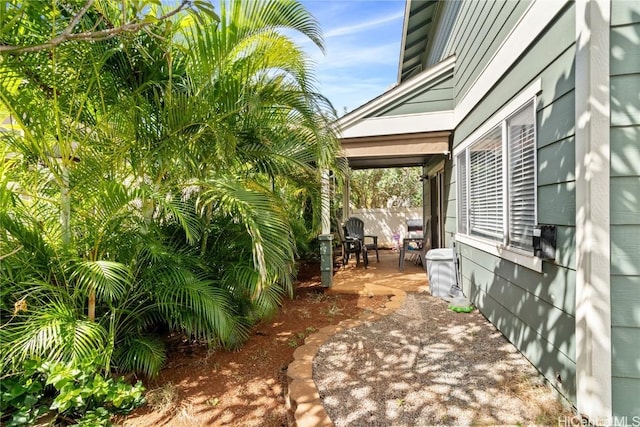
(539, 14)
(398, 125)
(408, 87)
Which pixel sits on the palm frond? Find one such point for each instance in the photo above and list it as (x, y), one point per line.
(51, 330)
(109, 279)
(140, 353)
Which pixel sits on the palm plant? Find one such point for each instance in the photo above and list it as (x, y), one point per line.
(141, 195)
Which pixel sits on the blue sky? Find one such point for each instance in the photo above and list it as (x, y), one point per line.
(362, 48)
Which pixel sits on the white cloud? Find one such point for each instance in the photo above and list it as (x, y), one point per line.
(355, 28)
(358, 56)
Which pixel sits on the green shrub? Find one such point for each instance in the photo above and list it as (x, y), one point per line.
(74, 393)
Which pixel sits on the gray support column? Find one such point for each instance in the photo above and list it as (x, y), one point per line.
(593, 252)
(325, 238)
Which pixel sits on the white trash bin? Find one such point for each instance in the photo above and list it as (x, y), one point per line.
(441, 271)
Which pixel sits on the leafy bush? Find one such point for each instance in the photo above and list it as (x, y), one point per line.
(71, 393)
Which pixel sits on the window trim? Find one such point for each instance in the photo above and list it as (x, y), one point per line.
(500, 249)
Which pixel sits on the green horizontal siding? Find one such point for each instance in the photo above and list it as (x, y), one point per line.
(625, 354)
(557, 204)
(555, 285)
(557, 162)
(545, 52)
(625, 250)
(625, 200)
(625, 151)
(565, 247)
(625, 100)
(495, 13)
(625, 394)
(625, 208)
(557, 121)
(461, 23)
(625, 55)
(486, 40)
(624, 12)
(558, 78)
(625, 300)
(437, 97)
(420, 107)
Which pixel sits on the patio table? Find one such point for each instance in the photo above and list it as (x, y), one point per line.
(405, 247)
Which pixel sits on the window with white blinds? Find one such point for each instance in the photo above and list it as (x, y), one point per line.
(497, 184)
(522, 173)
(485, 187)
(463, 193)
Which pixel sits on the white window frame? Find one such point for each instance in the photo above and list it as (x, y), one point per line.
(500, 249)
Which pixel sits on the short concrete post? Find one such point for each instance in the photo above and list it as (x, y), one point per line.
(326, 259)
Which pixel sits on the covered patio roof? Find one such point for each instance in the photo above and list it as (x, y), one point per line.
(405, 125)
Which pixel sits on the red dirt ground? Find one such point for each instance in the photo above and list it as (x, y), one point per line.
(201, 387)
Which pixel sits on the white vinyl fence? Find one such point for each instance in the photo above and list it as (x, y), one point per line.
(387, 223)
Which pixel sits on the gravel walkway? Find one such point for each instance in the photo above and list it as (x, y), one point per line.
(426, 365)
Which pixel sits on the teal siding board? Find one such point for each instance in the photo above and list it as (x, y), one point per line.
(437, 97)
(625, 207)
(491, 36)
(460, 24)
(625, 100)
(625, 300)
(624, 12)
(625, 393)
(625, 151)
(625, 55)
(558, 78)
(555, 285)
(557, 204)
(476, 35)
(625, 250)
(420, 107)
(565, 247)
(551, 47)
(557, 121)
(625, 200)
(557, 162)
(625, 354)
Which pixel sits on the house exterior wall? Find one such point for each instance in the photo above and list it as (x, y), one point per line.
(534, 310)
(473, 31)
(438, 97)
(625, 207)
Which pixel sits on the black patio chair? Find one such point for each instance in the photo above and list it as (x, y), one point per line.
(354, 228)
(347, 246)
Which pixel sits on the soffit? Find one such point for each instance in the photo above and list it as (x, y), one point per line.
(399, 150)
(419, 20)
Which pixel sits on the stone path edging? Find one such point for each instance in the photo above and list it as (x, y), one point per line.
(302, 396)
